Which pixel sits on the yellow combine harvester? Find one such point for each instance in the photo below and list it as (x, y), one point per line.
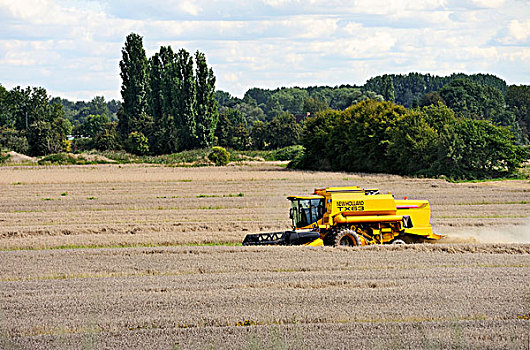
(352, 216)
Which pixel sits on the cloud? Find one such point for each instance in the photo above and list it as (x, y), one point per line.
(73, 47)
(190, 7)
(488, 3)
(520, 30)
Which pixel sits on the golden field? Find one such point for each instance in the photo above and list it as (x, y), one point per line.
(110, 205)
(103, 257)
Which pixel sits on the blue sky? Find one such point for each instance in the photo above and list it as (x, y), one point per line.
(72, 48)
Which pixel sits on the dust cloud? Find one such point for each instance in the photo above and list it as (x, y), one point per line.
(499, 234)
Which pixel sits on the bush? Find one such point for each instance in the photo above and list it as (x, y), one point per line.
(13, 140)
(298, 162)
(219, 156)
(59, 158)
(82, 144)
(288, 153)
(137, 143)
(4, 158)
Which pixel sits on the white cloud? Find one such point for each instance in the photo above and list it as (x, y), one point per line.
(190, 7)
(489, 3)
(520, 30)
(73, 47)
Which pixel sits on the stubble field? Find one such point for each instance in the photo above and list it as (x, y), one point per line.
(104, 257)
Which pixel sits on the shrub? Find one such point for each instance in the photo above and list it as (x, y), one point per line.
(299, 161)
(219, 156)
(58, 158)
(137, 143)
(4, 158)
(82, 144)
(13, 140)
(288, 153)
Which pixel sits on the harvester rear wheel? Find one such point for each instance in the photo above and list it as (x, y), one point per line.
(347, 238)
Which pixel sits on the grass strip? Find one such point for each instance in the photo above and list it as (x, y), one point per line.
(117, 246)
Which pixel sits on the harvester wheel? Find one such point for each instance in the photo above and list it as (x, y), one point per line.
(398, 241)
(347, 238)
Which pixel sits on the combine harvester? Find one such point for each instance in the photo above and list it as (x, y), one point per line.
(352, 216)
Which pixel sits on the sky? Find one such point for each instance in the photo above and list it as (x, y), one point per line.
(73, 48)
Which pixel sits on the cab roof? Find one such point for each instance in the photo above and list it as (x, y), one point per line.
(305, 197)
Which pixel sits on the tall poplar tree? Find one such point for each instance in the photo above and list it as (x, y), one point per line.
(388, 88)
(169, 100)
(207, 112)
(134, 88)
(186, 102)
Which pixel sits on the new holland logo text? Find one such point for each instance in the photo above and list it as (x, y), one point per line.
(350, 205)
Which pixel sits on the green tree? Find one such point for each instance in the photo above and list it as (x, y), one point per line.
(388, 88)
(134, 88)
(161, 101)
(362, 134)
(259, 135)
(27, 106)
(224, 99)
(30, 113)
(182, 101)
(168, 138)
(289, 100)
(219, 156)
(283, 131)
(5, 117)
(48, 137)
(13, 140)
(316, 139)
(98, 106)
(251, 112)
(95, 124)
(471, 100)
(259, 96)
(138, 143)
(383, 137)
(186, 104)
(413, 144)
(314, 105)
(207, 108)
(431, 98)
(232, 130)
(473, 149)
(411, 87)
(518, 102)
(345, 97)
(107, 138)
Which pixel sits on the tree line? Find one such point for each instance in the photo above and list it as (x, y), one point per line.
(385, 137)
(410, 88)
(30, 124)
(169, 104)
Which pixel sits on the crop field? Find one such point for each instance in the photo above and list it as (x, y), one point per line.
(134, 256)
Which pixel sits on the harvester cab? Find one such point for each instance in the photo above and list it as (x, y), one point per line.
(351, 216)
(306, 211)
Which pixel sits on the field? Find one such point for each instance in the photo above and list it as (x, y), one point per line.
(133, 256)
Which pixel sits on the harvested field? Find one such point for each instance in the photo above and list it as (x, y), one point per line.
(429, 296)
(64, 283)
(113, 205)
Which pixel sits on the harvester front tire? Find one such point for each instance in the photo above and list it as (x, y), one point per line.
(398, 241)
(348, 238)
